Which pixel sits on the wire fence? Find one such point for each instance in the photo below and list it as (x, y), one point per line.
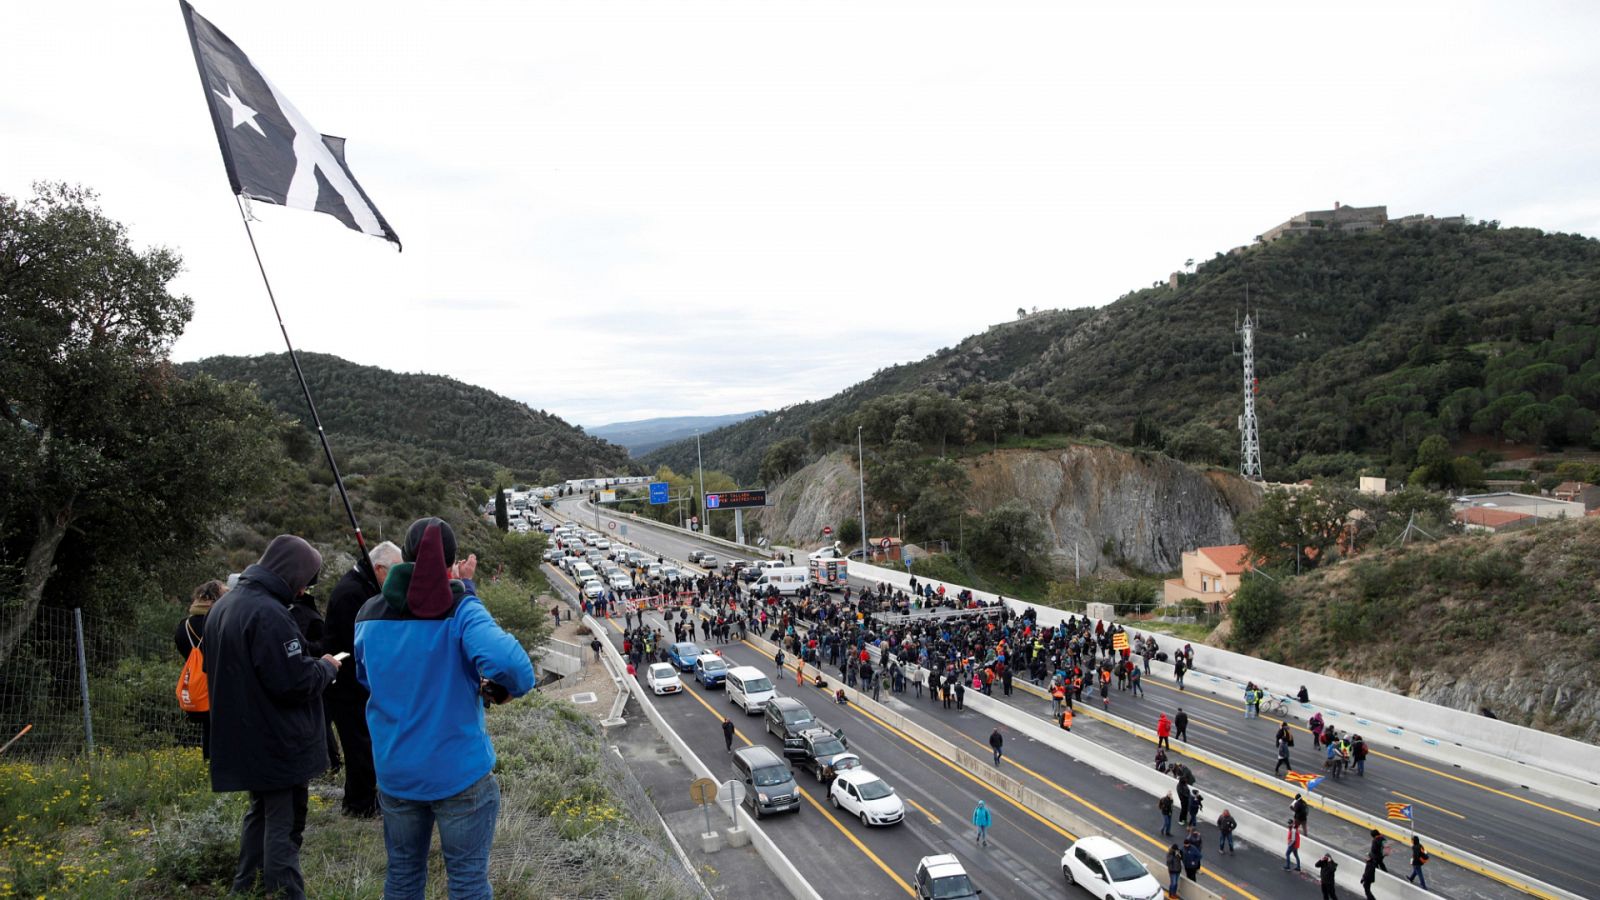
(87, 683)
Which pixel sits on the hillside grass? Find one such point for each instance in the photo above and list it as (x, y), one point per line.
(1513, 601)
(146, 824)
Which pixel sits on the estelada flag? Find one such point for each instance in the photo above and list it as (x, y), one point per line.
(1400, 812)
(271, 152)
(1307, 781)
(1119, 640)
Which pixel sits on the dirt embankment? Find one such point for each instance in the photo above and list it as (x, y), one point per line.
(1509, 623)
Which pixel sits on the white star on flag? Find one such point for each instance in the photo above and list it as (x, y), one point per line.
(242, 115)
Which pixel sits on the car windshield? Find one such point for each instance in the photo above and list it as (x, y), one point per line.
(688, 650)
(827, 747)
(713, 665)
(799, 717)
(661, 671)
(874, 790)
(951, 887)
(770, 776)
(846, 762)
(752, 685)
(1125, 868)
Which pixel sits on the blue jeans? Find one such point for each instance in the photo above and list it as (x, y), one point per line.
(1166, 823)
(1172, 888)
(1227, 842)
(466, 832)
(983, 834)
(1294, 852)
(1417, 876)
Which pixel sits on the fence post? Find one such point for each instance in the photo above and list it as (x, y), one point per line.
(83, 679)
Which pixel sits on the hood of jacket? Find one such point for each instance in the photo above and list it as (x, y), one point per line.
(294, 561)
(423, 589)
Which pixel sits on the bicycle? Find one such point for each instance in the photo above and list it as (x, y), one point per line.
(1275, 706)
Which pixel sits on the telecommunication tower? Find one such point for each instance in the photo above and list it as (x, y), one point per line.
(1249, 432)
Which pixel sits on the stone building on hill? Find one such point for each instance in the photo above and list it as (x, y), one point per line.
(1351, 219)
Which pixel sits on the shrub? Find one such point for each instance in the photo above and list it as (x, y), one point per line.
(1254, 610)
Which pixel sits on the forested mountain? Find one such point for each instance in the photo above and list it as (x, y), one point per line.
(361, 405)
(643, 435)
(1368, 344)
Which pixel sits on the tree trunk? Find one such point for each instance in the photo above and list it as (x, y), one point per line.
(36, 573)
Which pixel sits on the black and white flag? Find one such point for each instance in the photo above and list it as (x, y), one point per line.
(271, 152)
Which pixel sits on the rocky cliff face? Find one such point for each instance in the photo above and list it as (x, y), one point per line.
(823, 493)
(1116, 506)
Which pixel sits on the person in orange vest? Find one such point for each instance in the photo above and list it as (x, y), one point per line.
(1058, 695)
(1066, 719)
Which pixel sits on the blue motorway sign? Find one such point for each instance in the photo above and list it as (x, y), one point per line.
(658, 492)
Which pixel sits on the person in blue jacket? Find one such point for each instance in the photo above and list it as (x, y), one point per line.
(981, 818)
(431, 655)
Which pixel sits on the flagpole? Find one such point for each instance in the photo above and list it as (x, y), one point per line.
(363, 562)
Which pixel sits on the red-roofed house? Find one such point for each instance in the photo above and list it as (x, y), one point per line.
(1210, 574)
(1488, 518)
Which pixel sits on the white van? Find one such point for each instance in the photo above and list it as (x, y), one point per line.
(749, 688)
(787, 579)
(582, 572)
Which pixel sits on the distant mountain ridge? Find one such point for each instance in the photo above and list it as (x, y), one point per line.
(643, 435)
(431, 412)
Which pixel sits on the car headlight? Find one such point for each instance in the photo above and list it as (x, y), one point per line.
(763, 796)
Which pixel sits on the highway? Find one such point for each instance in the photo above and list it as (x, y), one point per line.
(1023, 858)
(1548, 838)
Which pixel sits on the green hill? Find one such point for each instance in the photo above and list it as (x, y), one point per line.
(368, 407)
(1368, 343)
(1506, 623)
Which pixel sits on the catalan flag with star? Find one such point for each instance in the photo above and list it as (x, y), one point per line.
(1304, 779)
(1120, 640)
(1400, 812)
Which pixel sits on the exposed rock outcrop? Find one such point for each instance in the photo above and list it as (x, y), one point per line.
(1118, 507)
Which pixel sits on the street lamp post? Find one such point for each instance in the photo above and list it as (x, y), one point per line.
(705, 518)
(861, 479)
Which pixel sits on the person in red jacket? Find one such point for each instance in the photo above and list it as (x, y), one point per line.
(1164, 732)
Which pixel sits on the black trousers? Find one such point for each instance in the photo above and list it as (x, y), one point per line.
(360, 781)
(269, 844)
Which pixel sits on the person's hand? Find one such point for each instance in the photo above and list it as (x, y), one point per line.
(331, 658)
(465, 568)
(492, 692)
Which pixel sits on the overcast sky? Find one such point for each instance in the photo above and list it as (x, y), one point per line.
(622, 210)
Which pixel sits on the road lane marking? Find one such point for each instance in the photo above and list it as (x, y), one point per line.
(809, 799)
(932, 819)
(1428, 805)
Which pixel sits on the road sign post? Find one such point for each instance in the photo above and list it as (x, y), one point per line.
(704, 792)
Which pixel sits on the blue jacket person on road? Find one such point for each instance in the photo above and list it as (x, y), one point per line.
(429, 652)
(981, 818)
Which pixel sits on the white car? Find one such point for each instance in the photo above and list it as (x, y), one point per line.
(602, 544)
(621, 582)
(662, 678)
(867, 797)
(653, 572)
(1106, 869)
(593, 589)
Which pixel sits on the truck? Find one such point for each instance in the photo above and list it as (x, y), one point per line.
(830, 574)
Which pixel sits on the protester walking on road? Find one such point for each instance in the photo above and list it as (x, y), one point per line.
(1225, 828)
(1301, 813)
(1180, 725)
(981, 819)
(1165, 805)
(1293, 848)
(997, 741)
(1192, 857)
(1174, 869)
(1328, 867)
(727, 734)
(1419, 857)
(1378, 851)
(961, 693)
(1164, 732)
(1369, 875)
(1283, 756)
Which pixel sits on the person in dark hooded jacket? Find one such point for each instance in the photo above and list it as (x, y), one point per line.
(267, 733)
(431, 654)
